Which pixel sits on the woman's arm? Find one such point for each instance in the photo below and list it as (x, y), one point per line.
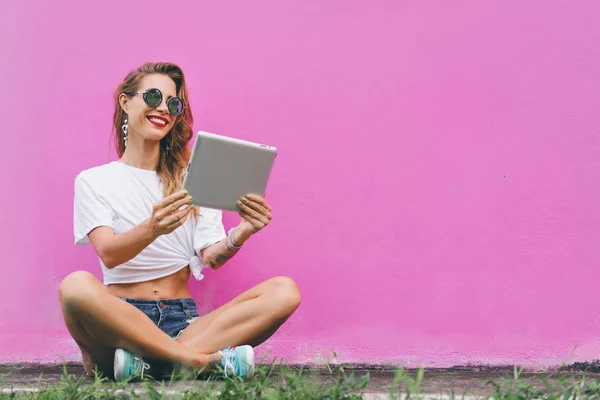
(114, 249)
(256, 214)
(166, 216)
(219, 253)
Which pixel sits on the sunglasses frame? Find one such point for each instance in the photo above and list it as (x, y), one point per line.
(145, 92)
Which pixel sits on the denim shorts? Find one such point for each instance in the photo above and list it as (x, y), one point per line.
(170, 316)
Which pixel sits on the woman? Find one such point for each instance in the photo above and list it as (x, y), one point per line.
(150, 239)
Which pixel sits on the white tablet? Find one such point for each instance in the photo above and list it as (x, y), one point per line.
(223, 169)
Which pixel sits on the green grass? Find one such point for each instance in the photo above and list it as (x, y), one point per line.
(563, 387)
(270, 382)
(280, 382)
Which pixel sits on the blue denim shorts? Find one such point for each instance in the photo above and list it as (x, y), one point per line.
(171, 316)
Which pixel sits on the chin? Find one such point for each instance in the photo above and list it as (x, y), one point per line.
(152, 133)
(153, 137)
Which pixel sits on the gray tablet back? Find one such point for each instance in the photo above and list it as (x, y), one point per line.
(223, 169)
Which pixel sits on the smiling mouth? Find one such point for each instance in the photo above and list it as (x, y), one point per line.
(160, 122)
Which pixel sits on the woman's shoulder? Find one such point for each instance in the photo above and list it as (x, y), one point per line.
(99, 173)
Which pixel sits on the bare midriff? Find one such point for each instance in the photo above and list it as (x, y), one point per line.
(174, 286)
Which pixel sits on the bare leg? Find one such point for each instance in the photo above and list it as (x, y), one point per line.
(250, 318)
(100, 322)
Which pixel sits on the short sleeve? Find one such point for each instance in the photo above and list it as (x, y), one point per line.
(209, 229)
(89, 212)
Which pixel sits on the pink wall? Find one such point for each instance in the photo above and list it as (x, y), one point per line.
(437, 190)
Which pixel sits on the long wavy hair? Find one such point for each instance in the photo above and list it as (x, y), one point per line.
(174, 150)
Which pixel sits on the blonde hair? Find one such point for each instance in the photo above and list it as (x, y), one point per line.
(174, 152)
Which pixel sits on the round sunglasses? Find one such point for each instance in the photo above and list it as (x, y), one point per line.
(153, 98)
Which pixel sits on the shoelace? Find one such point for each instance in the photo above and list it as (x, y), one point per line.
(145, 366)
(228, 356)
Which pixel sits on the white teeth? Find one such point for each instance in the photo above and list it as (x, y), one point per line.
(159, 121)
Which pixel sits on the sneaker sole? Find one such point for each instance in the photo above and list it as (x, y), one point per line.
(250, 362)
(119, 361)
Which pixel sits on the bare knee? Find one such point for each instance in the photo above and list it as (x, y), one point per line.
(77, 288)
(286, 295)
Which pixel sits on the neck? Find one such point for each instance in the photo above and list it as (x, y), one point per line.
(141, 154)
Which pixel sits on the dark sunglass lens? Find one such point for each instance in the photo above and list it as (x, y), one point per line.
(153, 97)
(175, 105)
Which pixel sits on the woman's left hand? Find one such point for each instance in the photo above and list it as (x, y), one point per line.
(255, 213)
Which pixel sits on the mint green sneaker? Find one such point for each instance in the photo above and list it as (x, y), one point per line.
(128, 366)
(238, 361)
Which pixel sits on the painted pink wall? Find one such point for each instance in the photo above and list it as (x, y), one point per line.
(437, 192)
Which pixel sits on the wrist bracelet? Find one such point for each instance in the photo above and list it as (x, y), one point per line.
(230, 240)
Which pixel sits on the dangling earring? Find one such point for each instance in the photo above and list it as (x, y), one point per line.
(125, 128)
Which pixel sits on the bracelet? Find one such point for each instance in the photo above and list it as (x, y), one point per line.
(230, 241)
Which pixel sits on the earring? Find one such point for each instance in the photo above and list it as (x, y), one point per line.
(125, 128)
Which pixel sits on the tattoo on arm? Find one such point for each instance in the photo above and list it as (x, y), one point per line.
(220, 258)
(220, 254)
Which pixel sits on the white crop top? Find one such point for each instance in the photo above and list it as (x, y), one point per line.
(121, 197)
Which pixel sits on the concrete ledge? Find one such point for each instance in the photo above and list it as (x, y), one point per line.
(436, 382)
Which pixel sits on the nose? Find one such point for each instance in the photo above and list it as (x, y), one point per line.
(162, 107)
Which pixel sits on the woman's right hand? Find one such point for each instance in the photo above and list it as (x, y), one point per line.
(166, 214)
